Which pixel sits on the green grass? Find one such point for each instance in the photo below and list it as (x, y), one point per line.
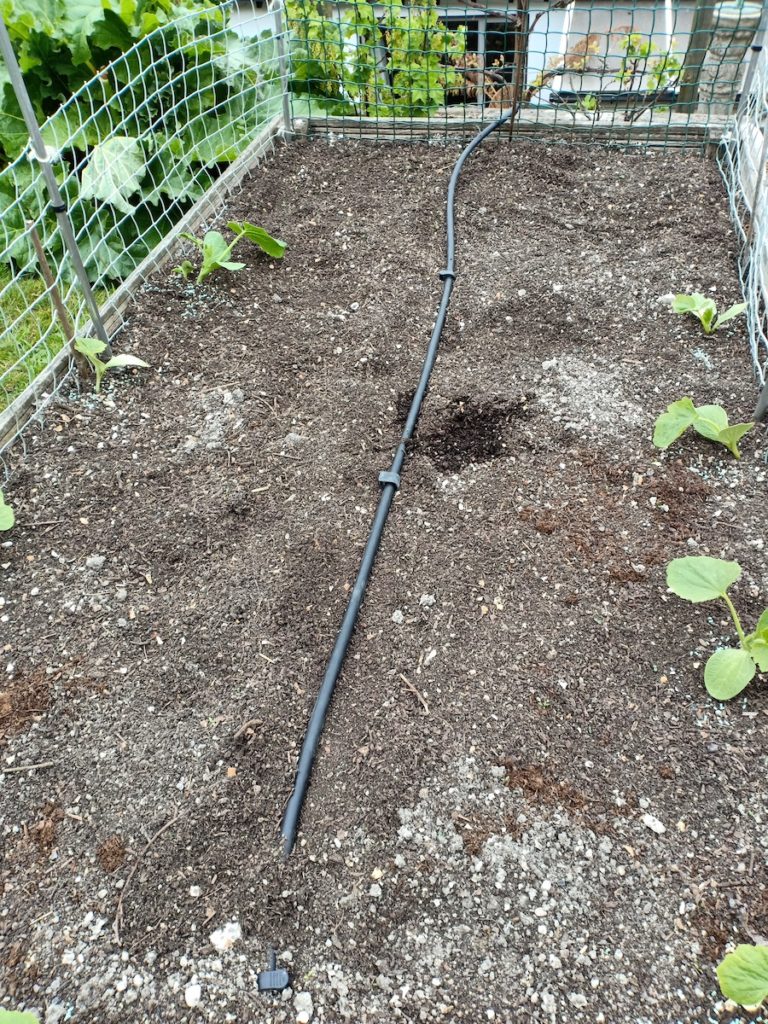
(26, 299)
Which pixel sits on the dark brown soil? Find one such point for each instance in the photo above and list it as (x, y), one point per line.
(533, 649)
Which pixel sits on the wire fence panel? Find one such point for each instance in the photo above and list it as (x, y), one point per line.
(648, 72)
(134, 149)
(743, 158)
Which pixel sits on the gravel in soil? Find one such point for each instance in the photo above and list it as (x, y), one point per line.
(525, 807)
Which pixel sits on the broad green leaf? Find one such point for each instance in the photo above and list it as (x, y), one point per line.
(731, 436)
(710, 420)
(7, 519)
(730, 313)
(690, 303)
(215, 247)
(272, 246)
(743, 975)
(762, 625)
(698, 578)
(727, 672)
(114, 172)
(672, 423)
(758, 648)
(125, 360)
(15, 1016)
(229, 265)
(90, 346)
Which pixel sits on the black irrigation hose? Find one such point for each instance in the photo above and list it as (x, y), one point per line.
(390, 483)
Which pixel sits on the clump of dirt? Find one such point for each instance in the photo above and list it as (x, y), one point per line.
(111, 854)
(470, 430)
(24, 698)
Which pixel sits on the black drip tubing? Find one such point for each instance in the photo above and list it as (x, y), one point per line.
(390, 484)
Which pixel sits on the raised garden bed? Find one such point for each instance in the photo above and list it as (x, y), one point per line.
(522, 698)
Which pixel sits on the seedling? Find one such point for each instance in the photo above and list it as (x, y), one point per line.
(743, 975)
(699, 578)
(705, 310)
(92, 348)
(217, 252)
(7, 516)
(711, 421)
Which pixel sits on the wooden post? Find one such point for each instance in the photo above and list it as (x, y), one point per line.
(701, 32)
(58, 303)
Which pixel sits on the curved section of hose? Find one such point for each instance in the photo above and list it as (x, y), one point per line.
(390, 483)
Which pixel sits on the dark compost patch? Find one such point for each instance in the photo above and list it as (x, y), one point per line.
(525, 806)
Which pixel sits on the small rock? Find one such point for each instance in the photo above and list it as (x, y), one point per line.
(397, 617)
(375, 890)
(95, 561)
(194, 892)
(652, 822)
(427, 600)
(429, 657)
(225, 938)
(193, 993)
(304, 1007)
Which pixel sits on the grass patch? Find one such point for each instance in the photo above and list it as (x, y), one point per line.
(30, 333)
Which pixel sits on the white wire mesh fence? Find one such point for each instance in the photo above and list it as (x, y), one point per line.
(743, 157)
(133, 151)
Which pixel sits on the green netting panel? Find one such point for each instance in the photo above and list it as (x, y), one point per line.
(648, 72)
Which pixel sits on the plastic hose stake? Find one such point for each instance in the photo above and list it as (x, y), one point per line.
(390, 483)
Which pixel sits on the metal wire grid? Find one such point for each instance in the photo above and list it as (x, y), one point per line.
(181, 104)
(640, 72)
(742, 159)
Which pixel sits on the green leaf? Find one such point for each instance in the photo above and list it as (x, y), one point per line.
(114, 172)
(90, 346)
(690, 303)
(729, 314)
(185, 268)
(125, 360)
(7, 519)
(731, 436)
(727, 672)
(272, 246)
(743, 975)
(698, 578)
(758, 649)
(674, 422)
(228, 265)
(710, 420)
(14, 1016)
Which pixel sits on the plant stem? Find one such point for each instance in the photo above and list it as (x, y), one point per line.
(736, 620)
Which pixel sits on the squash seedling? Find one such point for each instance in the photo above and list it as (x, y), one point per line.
(711, 421)
(7, 517)
(699, 578)
(92, 348)
(705, 310)
(217, 252)
(743, 975)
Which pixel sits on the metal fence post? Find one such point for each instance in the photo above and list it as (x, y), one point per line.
(278, 9)
(43, 157)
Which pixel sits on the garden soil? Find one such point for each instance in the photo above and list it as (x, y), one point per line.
(525, 807)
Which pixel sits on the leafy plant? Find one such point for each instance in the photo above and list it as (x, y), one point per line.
(17, 1017)
(699, 578)
(705, 310)
(7, 516)
(92, 348)
(217, 252)
(710, 421)
(385, 60)
(743, 975)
